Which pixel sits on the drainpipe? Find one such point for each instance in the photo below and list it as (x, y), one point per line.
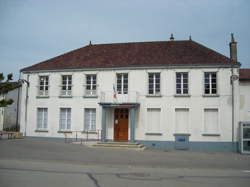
(233, 60)
(232, 83)
(18, 99)
(26, 103)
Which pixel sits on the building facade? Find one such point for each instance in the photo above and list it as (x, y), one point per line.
(167, 95)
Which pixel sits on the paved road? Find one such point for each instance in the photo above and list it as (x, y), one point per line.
(38, 162)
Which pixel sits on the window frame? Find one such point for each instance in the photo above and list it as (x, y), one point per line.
(45, 84)
(68, 86)
(67, 119)
(154, 84)
(44, 123)
(210, 83)
(90, 127)
(181, 83)
(120, 87)
(91, 91)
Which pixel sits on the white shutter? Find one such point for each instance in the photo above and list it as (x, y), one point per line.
(45, 118)
(211, 121)
(181, 120)
(63, 118)
(87, 119)
(68, 118)
(90, 120)
(153, 119)
(39, 118)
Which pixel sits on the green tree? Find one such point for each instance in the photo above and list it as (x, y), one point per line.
(5, 87)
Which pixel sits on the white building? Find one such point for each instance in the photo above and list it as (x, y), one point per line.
(169, 94)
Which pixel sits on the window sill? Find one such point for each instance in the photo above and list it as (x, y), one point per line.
(42, 97)
(211, 95)
(153, 133)
(89, 132)
(182, 134)
(64, 131)
(41, 130)
(210, 134)
(65, 96)
(182, 95)
(153, 95)
(90, 96)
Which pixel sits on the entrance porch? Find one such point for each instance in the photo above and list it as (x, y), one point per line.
(123, 123)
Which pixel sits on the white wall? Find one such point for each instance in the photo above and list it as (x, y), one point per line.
(244, 100)
(138, 81)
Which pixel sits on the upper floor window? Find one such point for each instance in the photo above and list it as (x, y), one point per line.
(90, 89)
(66, 85)
(122, 83)
(181, 83)
(154, 83)
(42, 118)
(210, 83)
(43, 86)
(65, 119)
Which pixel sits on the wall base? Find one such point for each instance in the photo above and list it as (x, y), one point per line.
(195, 146)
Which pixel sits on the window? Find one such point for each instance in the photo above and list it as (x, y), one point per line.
(122, 83)
(210, 83)
(181, 83)
(90, 85)
(90, 119)
(66, 85)
(43, 86)
(153, 120)
(181, 120)
(65, 119)
(211, 121)
(42, 118)
(154, 83)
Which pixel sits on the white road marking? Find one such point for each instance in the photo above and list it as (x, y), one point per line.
(246, 171)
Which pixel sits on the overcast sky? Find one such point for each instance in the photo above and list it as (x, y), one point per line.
(35, 30)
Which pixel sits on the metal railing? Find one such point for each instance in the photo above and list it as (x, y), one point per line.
(81, 136)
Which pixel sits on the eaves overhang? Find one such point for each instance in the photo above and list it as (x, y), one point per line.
(170, 66)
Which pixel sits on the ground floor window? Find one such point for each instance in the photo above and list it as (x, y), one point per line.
(90, 119)
(153, 120)
(65, 119)
(42, 118)
(181, 120)
(211, 125)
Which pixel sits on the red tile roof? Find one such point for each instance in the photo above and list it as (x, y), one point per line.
(244, 74)
(162, 53)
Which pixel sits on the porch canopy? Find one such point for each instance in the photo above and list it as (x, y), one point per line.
(131, 106)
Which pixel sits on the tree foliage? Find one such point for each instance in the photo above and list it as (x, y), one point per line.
(5, 87)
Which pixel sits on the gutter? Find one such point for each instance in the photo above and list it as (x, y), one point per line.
(170, 66)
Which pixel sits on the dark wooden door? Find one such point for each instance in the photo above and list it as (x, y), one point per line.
(121, 125)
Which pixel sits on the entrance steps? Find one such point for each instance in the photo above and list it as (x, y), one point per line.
(126, 145)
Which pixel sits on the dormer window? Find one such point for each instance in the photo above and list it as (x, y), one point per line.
(43, 88)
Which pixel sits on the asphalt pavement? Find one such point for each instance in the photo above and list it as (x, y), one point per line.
(40, 162)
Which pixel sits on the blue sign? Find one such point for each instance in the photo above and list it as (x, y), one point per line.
(181, 139)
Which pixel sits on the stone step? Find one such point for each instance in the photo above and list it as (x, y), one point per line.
(126, 145)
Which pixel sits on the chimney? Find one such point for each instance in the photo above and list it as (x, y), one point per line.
(233, 48)
(171, 37)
